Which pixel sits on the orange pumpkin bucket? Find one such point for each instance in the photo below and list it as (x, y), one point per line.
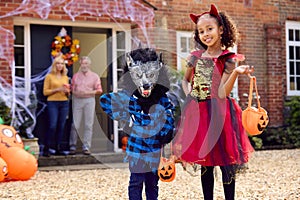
(166, 168)
(254, 120)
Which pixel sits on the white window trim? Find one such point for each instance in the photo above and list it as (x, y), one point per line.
(27, 55)
(235, 90)
(116, 127)
(290, 25)
(179, 35)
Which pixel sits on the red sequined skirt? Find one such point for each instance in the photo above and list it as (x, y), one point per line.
(210, 133)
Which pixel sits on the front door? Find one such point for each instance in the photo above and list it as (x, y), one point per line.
(94, 43)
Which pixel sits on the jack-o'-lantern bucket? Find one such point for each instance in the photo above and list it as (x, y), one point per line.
(166, 168)
(254, 120)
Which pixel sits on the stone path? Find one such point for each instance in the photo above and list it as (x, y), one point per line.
(271, 175)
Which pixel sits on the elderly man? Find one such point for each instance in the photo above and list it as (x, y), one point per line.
(85, 85)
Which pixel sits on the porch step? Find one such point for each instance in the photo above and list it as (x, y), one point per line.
(80, 159)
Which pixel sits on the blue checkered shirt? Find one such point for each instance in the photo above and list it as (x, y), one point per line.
(148, 132)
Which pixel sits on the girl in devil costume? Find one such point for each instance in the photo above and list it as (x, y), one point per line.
(210, 132)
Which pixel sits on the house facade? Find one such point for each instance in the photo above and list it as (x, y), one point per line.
(269, 39)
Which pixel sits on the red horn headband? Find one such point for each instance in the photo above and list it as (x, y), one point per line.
(213, 11)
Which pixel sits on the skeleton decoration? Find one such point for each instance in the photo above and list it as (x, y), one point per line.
(144, 75)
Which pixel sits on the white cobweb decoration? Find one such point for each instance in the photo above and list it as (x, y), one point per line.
(14, 94)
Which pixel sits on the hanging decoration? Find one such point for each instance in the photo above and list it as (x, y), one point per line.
(64, 45)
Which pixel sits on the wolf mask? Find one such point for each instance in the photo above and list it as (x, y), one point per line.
(144, 73)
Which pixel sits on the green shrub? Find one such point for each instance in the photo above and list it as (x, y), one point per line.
(256, 142)
(293, 121)
(289, 134)
(5, 112)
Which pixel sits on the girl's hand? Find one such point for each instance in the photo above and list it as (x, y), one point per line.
(244, 69)
(239, 57)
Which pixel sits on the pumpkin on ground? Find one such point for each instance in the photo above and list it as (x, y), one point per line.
(17, 164)
(3, 170)
(21, 164)
(124, 142)
(9, 137)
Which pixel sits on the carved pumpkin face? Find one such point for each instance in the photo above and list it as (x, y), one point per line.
(3, 170)
(166, 169)
(255, 120)
(263, 122)
(9, 137)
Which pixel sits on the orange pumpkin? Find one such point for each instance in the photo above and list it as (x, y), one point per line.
(21, 164)
(3, 170)
(254, 120)
(124, 142)
(166, 169)
(9, 137)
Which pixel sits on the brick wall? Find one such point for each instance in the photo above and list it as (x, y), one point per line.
(260, 22)
(275, 73)
(7, 50)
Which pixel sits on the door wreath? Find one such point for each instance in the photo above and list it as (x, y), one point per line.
(63, 44)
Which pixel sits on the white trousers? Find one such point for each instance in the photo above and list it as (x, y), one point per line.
(82, 108)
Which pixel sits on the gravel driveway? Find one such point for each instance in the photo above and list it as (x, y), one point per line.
(271, 175)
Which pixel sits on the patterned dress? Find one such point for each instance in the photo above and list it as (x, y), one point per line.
(210, 132)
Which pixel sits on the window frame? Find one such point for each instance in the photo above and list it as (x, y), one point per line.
(180, 55)
(291, 25)
(27, 61)
(118, 69)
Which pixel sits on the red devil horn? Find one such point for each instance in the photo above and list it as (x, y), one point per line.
(213, 11)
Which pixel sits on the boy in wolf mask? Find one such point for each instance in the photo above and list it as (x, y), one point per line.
(144, 107)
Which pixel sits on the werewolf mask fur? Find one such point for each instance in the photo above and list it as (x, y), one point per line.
(146, 72)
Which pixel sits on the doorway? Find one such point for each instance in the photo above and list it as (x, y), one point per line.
(95, 43)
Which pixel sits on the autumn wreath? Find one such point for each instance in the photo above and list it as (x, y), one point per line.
(63, 44)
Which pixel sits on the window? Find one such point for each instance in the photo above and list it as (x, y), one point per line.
(293, 58)
(21, 53)
(183, 48)
(120, 52)
(121, 48)
(19, 49)
(234, 92)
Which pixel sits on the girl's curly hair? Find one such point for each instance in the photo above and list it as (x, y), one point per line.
(229, 36)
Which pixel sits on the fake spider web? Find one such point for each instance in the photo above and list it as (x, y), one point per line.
(13, 94)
